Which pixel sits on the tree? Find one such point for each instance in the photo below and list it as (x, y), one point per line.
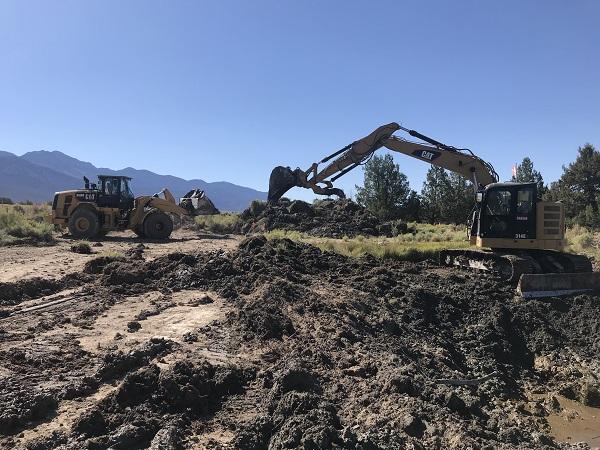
(386, 191)
(579, 188)
(525, 173)
(433, 194)
(412, 209)
(460, 199)
(446, 197)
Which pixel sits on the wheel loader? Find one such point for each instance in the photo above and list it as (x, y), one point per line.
(515, 234)
(109, 205)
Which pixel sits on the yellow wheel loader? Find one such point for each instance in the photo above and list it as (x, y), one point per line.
(516, 235)
(110, 205)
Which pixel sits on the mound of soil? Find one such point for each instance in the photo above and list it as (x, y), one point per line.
(345, 353)
(326, 218)
(385, 356)
(11, 293)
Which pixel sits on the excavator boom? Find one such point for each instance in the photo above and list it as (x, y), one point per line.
(461, 161)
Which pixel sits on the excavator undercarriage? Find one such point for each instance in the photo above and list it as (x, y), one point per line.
(535, 273)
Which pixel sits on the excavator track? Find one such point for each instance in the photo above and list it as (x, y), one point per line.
(511, 265)
(535, 273)
(507, 266)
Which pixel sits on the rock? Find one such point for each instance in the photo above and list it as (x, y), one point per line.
(412, 425)
(133, 326)
(590, 393)
(455, 403)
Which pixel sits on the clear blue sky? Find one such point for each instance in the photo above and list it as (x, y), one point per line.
(225, 90)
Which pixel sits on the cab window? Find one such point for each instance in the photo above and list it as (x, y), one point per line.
(111, 186)
(524, 201)
(499, 203)
(125, 191)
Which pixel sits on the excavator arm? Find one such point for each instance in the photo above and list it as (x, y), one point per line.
(461, 161)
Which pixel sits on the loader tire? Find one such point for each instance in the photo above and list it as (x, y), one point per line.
(84, 224)
(158, 225)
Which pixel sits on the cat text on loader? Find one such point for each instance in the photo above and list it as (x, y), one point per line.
(110, 206)
(517, 236)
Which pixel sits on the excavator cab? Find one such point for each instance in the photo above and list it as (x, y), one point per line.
(506, 211)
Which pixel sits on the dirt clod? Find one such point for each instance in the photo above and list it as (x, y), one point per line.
(83, 248)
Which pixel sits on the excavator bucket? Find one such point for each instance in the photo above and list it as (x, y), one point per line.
(535, 285)
(197, 203)
(282, 179)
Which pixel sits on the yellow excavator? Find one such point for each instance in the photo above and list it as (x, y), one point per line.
(516, 235)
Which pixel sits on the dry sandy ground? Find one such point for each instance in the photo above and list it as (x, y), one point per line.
(22, 262)
(79, 327)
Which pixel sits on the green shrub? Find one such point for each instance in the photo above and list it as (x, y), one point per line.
(219, 223)
(15, 226)
(5, 201)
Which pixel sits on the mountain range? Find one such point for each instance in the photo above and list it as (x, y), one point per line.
(37, 175)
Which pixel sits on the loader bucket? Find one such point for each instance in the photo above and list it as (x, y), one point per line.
(197, 203)
(556, 284)
(282, 179)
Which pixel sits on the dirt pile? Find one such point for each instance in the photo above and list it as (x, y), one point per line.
(344, 353)
(361, 348)
(327, 218)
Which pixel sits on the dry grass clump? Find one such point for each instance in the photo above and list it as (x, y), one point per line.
(82, 247)
(583, 241)
(425, 242)
(24, 223)
(223, 223)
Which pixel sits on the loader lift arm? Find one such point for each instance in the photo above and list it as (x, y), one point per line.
(461, 161)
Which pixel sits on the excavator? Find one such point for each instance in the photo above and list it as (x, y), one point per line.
(514, 234)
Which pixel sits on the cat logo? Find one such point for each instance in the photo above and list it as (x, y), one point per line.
(428, 155)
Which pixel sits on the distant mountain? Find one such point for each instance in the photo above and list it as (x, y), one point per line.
(37, 175)
(23, 180)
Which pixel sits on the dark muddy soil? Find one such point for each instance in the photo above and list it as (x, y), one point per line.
(323, 352)
(326, 218)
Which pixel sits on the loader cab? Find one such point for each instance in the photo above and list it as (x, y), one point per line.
(506, 211)
(115, 192)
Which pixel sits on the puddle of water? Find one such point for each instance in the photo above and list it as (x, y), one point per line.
(575, 423)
